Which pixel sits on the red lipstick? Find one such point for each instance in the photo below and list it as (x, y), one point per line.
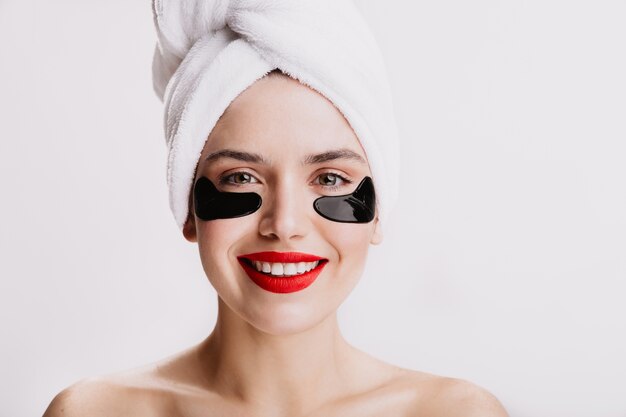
(281, 284)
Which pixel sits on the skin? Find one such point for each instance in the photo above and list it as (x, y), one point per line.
(278, 354)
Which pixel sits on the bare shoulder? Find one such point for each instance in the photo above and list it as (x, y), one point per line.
(127, 393)
(450, 397)
(92, 396)
(463, 398)
(152, 390)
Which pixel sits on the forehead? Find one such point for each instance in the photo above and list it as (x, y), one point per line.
(278, 116)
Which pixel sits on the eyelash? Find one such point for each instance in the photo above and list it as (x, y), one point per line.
(334, 174)
(223, 180)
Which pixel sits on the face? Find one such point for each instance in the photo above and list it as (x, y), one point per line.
(279, 139)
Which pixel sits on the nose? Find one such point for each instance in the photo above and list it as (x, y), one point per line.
(285, 214)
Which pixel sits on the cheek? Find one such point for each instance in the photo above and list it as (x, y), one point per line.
(217, 239)
(351, 241)
(220, 233)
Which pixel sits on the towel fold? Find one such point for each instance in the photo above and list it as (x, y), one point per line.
(208, 52)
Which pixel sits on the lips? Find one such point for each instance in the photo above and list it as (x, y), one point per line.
(285, 257)
(281, 284)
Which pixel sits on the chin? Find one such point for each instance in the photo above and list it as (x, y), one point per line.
(286, 319)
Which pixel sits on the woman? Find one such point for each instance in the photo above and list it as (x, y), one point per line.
(283, 204)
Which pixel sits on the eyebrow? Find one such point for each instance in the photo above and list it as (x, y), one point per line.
(238, 155)
(308, 160)
(332, 155)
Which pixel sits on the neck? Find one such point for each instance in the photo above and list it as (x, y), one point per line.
(280, 374)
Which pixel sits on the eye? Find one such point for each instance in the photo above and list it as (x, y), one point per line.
(238, 178)
(332, 181)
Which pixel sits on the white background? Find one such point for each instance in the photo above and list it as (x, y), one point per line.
(505, 261)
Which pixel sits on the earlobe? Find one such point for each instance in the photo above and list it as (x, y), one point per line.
(189, 229)
(377, 236)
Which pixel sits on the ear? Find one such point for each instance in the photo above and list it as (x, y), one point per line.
(377, 236)
(189, 229)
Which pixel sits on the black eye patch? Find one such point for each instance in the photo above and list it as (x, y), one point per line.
(356, 207)
(212, 204)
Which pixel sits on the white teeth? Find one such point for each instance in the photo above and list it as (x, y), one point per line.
(289, 269)
(284, 269)
(277, 269)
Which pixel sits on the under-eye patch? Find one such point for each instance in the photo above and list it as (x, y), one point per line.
(357, 207)
(212, 204)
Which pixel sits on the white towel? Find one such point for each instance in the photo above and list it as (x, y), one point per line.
(209, 51)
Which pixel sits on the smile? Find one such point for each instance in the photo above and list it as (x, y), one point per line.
(284, 269)
(282, 272)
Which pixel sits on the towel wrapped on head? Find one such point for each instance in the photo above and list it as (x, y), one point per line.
(209, 51)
